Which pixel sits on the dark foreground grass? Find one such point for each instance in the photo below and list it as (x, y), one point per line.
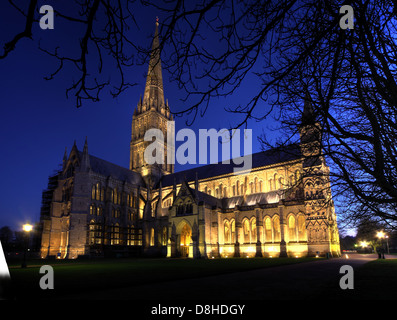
(92, 275)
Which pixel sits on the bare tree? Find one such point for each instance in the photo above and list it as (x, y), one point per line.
(298, 53)
(105, 43)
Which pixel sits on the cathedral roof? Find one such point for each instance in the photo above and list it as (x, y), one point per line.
(107, 169)
(259, 159)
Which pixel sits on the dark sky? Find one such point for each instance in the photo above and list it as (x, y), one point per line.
(38, 121)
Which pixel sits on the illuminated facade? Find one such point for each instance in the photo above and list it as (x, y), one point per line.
(281, 207)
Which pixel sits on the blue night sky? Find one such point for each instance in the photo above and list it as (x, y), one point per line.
(38, 121)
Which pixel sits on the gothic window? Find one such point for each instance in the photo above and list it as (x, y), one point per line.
(291, 228)
(152, 237)
(99, 211)
(268, 229)
(189, 207)
(131, 215)
(297, 176)
(130, 235)
(95, 233)
(92, 209)
(98, 191)
(115, 234)
(247, 231)
(93, 190)
(276, 182)
(260, 186)
(138, 237)
(92, 232)
(253, 230)
(276, 228)
(233, 230)
(164, 236)
(114, 200)
(301, 228)
(227, 232)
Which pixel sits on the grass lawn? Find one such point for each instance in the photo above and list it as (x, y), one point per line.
(87, 275)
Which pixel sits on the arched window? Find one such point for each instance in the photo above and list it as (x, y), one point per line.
(93, 192)
(268, 230)
(247, 231)
(152, 237)
(92, 232)
(297, 176)
(92, 209)
(111, 192)
(98, 191)
(302, 228)
(130, 235)
(233, 230)
(164, 236)
(276, 229)
(115, 234)
(227, 232)
(291, 228)
(253, 230)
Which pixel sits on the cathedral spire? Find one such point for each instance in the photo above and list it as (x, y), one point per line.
(154, 95)
(308, 117)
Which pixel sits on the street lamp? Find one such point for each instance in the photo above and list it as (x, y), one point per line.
(364, 244)
(26, 228)
(381, 235)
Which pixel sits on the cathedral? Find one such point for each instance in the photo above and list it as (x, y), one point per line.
(282, 207)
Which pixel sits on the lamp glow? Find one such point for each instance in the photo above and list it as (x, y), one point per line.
(27, 227)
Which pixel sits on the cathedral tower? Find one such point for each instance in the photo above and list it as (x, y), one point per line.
(321, 223)
(151, 112)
